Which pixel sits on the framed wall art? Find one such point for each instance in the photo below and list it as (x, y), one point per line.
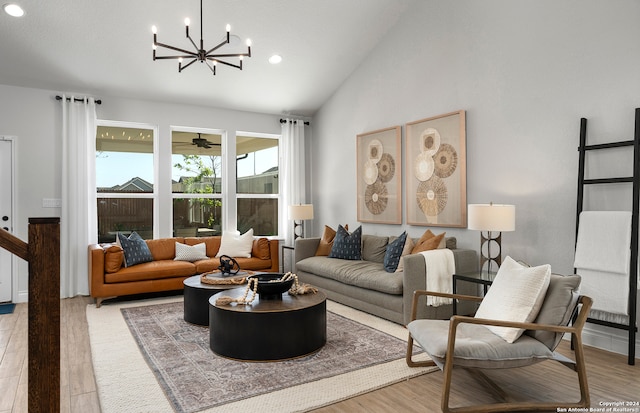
(435, 174)
(379, 169)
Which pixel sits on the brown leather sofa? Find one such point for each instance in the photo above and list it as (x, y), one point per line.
(109, 278)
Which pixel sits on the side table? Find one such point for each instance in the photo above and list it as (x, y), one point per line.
(483, 278)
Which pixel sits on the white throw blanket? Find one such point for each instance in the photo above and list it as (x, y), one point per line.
(602, 258)
(440, 268)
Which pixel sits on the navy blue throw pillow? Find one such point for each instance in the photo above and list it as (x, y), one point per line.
(347, 246)
(135, 249)
(394, 253)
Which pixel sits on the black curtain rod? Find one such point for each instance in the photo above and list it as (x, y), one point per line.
(98, 101)
(292, 121)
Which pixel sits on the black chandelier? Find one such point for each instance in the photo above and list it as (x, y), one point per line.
(210, 57)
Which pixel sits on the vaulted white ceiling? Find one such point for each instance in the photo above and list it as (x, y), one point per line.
(103, 48)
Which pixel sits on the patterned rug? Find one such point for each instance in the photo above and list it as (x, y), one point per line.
(193, 379)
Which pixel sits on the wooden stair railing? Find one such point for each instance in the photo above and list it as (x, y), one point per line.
(43, 254)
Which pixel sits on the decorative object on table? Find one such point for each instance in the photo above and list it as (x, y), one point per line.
(300, 212)
(220, 53)
(379, 186)
(435, 171)
(491, 218)
(228, 266)
(215, 278)
(269, 287)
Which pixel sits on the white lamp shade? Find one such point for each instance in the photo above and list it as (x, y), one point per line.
(300, 212)
(491, 217)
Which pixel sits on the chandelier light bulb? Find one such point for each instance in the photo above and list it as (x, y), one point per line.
(187, 21)
(154, 29)
(249, 42)
(228, 27)
(240, 57)
(179, 60)
(154, 47)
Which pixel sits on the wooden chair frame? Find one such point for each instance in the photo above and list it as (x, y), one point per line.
(508, 406)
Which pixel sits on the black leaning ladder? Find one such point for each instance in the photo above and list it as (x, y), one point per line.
(635, 181)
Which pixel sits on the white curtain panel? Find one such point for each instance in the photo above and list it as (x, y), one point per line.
(78, 224)
(293, 172)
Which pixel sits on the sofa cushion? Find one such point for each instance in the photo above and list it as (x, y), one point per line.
(163, 248)
(191, 253)
(261, 249)
(394, 252)
(212, 243)
(347, 246)
(406, 250)
(113, 258)
(135, 249)
(429, 241)
(326, 241)
(153, 270)
(235, 245)
(374, 247)
(364, 274)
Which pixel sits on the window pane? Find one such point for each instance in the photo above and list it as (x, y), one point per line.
(124, 159)
(199, 217)
(261, 214)
(257, 165)
(196, 159)
(124, 215)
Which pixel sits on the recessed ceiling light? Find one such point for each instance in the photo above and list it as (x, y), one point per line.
(275, 59)
(13, 9)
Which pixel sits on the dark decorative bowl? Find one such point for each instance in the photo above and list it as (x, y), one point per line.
(268, 289)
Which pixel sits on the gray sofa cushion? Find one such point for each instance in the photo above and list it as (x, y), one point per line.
(476, 346)
(364, 274)
(374, 247)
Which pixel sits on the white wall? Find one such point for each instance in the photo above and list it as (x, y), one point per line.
(525, 72)
(34, 117)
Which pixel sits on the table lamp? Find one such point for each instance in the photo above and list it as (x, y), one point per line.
(300, 212)
(491, 218)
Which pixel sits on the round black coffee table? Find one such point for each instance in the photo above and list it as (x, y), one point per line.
(196, 299)
(268, 330)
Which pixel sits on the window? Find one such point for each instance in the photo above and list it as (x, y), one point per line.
(257, 185)
(124, 181)
(196, 159)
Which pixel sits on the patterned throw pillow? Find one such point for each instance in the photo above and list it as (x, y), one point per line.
(191, 253)
(347, 246)
(394, 252)
(326, 242)
(135, 249)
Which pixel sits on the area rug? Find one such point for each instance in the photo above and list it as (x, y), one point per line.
(166, 365)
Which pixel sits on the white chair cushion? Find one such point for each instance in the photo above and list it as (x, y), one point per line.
(235, 245)
(191, 253)
(517, 294)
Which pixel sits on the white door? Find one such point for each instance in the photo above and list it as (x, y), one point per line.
(6, 215)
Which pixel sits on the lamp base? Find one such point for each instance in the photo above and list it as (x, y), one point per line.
(489, 258)
(295, 230)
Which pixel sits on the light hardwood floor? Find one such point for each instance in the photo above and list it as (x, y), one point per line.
(610, 378)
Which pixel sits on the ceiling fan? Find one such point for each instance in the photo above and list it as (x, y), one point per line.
(203, 143)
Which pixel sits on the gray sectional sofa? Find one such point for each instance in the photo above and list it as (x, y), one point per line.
(365, 285)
